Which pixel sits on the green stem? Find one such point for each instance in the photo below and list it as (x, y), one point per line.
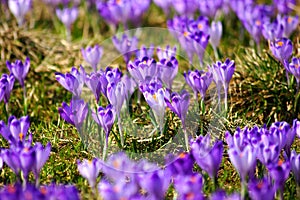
(298, 191)
(120, 131)
(296, 103)
(243, 190)
(105, 147)
(25, 100)
(186, 139)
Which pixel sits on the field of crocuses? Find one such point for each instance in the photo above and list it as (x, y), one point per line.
(141, 99)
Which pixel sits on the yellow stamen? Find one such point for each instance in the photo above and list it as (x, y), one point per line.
(90, 162)
(118, 1)
(116, 164)
(280, 43)
(297, 66)
(258, 22)
(144, 62)
(290, 20)
(43, 190)
(190, 196)
(26, 149)
(260, 185)
(21, 135)
(280, 162)
(200, 27)
(186, 33)
(182, 155)
(154, 97)
(193, 179)
(11, 189)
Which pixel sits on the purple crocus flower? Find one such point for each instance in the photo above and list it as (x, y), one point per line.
(295, 166)
(166, 53)
(155, 183)
(92, 55)
(89, 169)
(201, 24)
(19, 69)
(11, 158)
(67, 16)
(289, 24)
(272, 31)
(268, 152)
(221, 195)
(261, 189)
(206, 156)
(6, 86)
(167, 71)
(74, 114)
(141, 69)
(94, 84)
(185, 7)
(41, 156)
(125, 45)
(19, 8)
(113, 75)
(67, 192)
(210, 8)
(105, 117)
(179, 104)
(279, 172)
(145, 52)
(215, 33)
(282, 49)
(116, 93)
(189, 187)
(181, 164)
(157, 103)
(284, 6)
(294, 68)
(130, 86)
(15, 132)
(72, 81)
(243, 160)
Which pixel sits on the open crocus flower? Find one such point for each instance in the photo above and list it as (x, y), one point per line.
(72, 81)
(261, 189)
(16, 131)
(141, 69)
(272, 31)
(92, 55)
(167, 71)
(6, 86)
(289, 24)
(125, 45)
(206, 156)
(181, 165)
(19, 8)
(19, 70)
(41, 156)
(130, 85)
(282, 49)
(210, 8)
(74, 114)
(294, 68)
(145, 52)
(116, 93)
(284, 6)
(89, 169)
(157, 103)
(185, 7)
(113, 75)
(94, 84)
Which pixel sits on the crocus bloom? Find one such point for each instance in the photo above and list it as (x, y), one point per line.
(261, 189)
(6, 86)
(41, 156)
(113, 75)
(19, 70)
(72, 81)
(141, 69)
(105, 117)
(67, 192)
(130, 85)
(243, 160)
(157, 103)
(67, 16)
(289, 24)
(215, 33)
(116, 93)
(94, 84)
(125, 45)
(15, 132)
(89, 169)
(221, 195)
(166, 53)
(294, 68)
(272, 31)
(295, 166)
(206, 156)
(189, 186)
(167, 71)
(156, 183)
(164, 4)
(279, 172)
(181, 164)
(284, 6)
(185, 7)
(282, 49)
(210, 8)
(74, 114)
(92, 55)
(179, 104)
(19, 8)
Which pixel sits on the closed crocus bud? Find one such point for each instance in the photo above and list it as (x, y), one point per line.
(67, 16)
(41, 156)
(210, 8)
(200, 42)
(19, 8)
(289, 24)
(116, 93)
(19, 69)
(272, 31)
(89, 169)
(207, 157)
(202, 82)
(113, 75)
(74, 114)
(141, 69)
(6, 86)
(284, 6)
(185, 7)
(294, 68)
(105, 117)
(215, 33)
(282, 49)
(92, 55)
(94, 84)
